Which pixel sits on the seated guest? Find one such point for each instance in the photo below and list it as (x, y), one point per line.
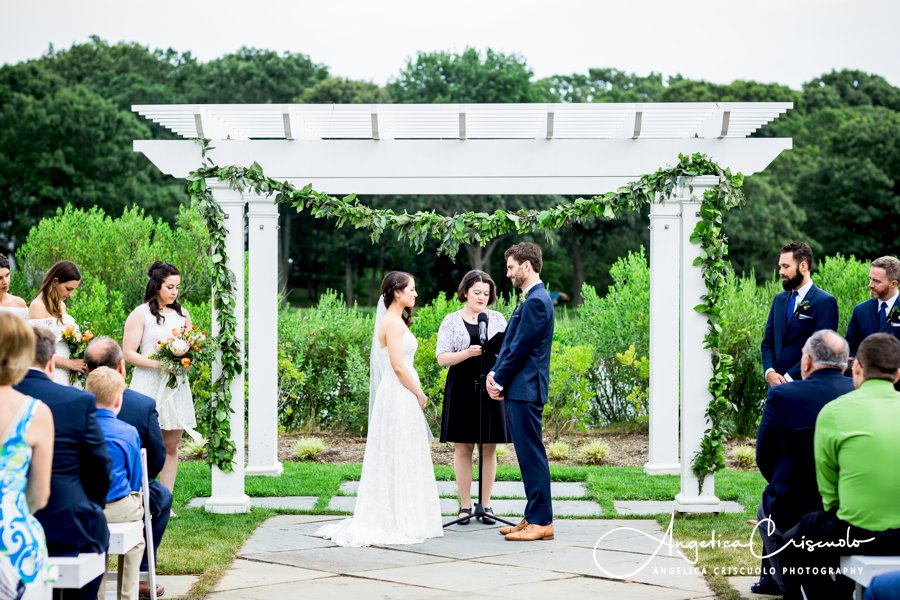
(857, 450)
(123, 502)
(26, 455)
(139, 411)
(884, 587)
(73, 519)
(784, 444)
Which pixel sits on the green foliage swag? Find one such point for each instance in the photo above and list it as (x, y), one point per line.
(479, 227)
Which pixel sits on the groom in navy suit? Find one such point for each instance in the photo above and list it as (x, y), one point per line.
(521, 377)
(880, 314)
(796, 313)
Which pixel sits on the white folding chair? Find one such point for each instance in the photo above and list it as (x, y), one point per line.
(150, 574)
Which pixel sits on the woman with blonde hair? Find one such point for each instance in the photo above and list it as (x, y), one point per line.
(26, 456)
(48, 310)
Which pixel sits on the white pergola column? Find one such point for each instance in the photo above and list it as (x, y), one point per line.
(665, 255)
(696, 368)
(228, 495)
(262, 344)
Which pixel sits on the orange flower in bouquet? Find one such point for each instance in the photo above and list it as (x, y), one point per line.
(77, 338)
(177, 353)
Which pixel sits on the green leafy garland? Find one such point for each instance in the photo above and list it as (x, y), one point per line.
(478, 228)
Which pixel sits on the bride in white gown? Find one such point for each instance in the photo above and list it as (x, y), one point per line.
(397, 501)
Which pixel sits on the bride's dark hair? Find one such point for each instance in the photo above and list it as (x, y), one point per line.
(158, 273)
(393, 282)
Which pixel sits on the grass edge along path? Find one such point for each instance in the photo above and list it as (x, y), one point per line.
(205, 544)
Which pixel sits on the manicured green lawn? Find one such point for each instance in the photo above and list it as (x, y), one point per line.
(205, 544)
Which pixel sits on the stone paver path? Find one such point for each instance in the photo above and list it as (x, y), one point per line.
(508, 498)
(283, 560)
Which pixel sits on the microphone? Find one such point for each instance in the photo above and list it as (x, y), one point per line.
(482, 327)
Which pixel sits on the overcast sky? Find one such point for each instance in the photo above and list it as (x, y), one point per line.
(784, 41)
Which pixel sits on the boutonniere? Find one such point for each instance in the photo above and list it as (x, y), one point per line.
(524, 296)
(801, 308)
(894, 315)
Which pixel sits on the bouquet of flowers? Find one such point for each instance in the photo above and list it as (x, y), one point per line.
(179, 352)
(77, 342)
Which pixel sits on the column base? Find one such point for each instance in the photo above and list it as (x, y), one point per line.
(228, 506)
(697, 504)
(271, 470)
(651, 468)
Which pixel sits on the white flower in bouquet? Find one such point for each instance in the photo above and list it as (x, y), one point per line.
(179, 347)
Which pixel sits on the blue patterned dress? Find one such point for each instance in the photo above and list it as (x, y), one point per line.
(21, 536)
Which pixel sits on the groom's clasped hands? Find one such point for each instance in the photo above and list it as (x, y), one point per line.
(494, 391)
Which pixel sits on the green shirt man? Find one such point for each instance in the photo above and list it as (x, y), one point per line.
(857, 448)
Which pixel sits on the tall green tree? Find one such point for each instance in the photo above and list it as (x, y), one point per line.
(73, 147)
(443, 77)
(253, 76)
(850, 190)
(338, 90)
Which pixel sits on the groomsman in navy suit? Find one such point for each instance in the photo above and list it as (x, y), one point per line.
(796, 313)
(880, 314)
(521, 378)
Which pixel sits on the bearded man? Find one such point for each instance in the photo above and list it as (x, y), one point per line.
(796, 313)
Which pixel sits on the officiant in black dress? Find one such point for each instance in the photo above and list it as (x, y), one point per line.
(459, 347)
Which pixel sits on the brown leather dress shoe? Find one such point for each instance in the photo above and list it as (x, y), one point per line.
(532, 533)
(507, 530)
(144, 590)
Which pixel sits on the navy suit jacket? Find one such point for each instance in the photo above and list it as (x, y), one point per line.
(139, 411)
(523, 364)
(782, 344)
(784, 444)
(864, 322)
(73, 519)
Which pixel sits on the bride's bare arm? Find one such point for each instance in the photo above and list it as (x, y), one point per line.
(131, 341)
(393, 337)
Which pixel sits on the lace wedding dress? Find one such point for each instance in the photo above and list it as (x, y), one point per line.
(397, 501)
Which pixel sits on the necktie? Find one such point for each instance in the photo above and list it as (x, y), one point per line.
(882, 316)
(790, 306)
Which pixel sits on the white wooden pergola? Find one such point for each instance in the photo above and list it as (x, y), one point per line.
(583, 149)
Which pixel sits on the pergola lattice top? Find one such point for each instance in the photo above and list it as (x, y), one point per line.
(705, 120)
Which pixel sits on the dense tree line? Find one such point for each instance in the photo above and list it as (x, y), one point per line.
(66, 130)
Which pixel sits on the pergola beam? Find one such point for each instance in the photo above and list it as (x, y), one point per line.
(585, 167)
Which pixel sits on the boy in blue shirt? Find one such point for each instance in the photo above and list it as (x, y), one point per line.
(123, 502)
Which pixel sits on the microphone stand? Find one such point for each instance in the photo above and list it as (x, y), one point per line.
(480, 386)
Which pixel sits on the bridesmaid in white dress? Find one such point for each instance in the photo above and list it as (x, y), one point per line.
(150, 322)
(48, 310)
(397, 501)
(8, 302)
